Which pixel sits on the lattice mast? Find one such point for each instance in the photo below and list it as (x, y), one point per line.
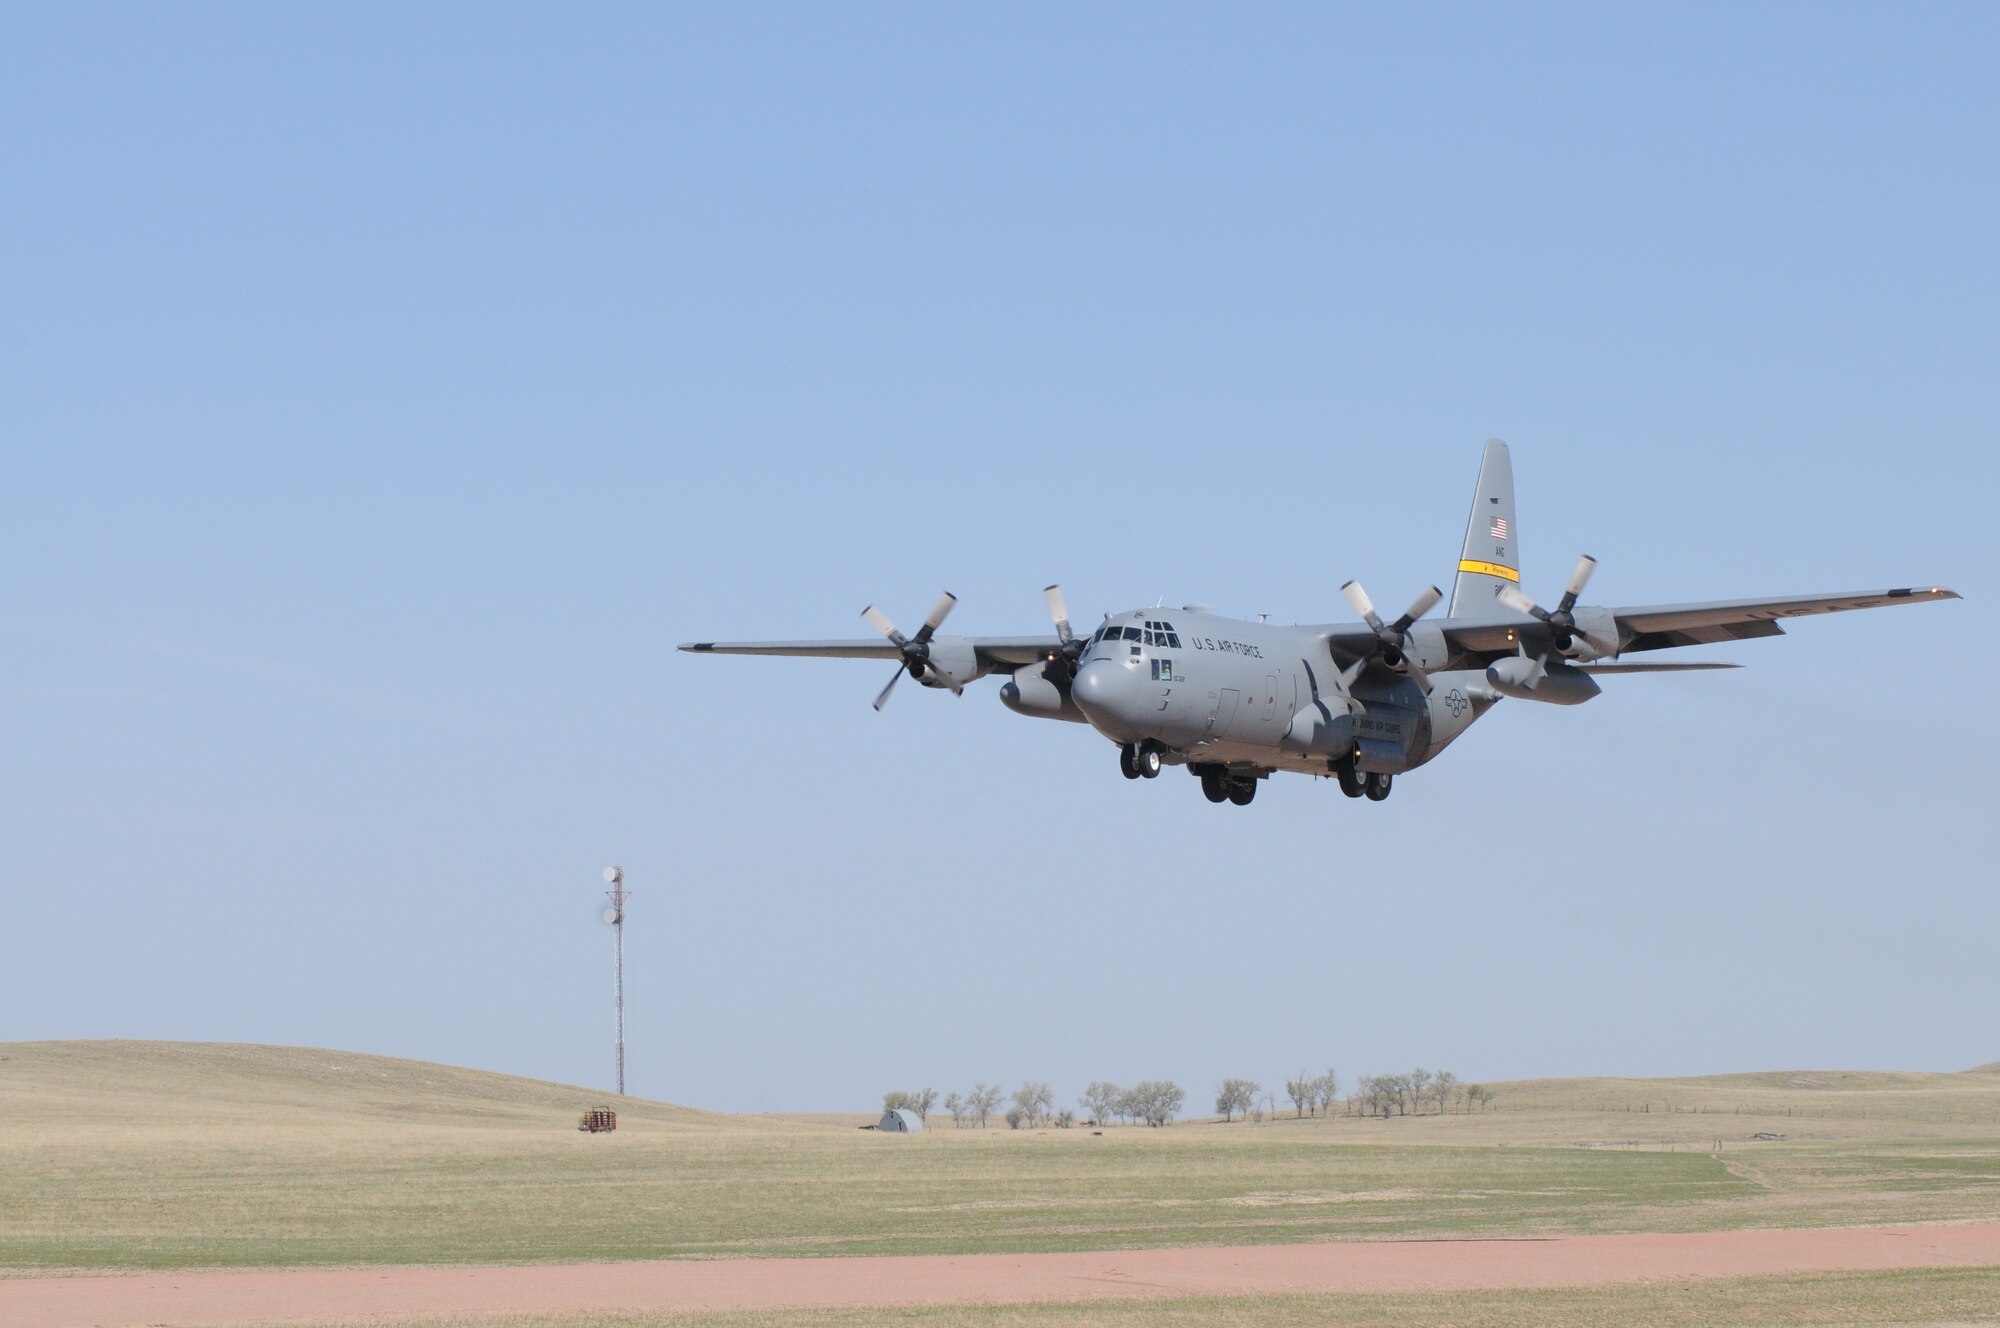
(615, 915)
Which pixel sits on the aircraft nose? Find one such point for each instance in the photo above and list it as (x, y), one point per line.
(1108, 693)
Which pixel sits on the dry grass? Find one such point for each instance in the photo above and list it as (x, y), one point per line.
(151, 1155)
(1918, 1297)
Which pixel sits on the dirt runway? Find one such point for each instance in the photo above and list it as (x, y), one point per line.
(178, 1300)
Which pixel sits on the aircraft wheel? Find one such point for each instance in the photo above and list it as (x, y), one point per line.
(1241, 791)
(1149, 761)
(1352, 782)
(1214, 784)
(1128, 762)
(1378, 787)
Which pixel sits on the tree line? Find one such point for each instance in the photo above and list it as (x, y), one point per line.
(1033, 1105)
(1416, 1092)
(1156, 1102)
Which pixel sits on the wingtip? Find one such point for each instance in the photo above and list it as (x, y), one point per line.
(699, 646)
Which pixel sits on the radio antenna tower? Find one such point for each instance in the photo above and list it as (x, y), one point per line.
(615, 915)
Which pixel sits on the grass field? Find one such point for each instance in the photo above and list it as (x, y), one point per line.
(161, 1155)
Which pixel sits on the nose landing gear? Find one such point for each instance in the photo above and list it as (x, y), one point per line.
(1139, 760)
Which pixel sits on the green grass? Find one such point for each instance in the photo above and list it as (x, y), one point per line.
(157, 1155)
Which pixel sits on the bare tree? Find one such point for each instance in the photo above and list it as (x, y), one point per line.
(1382, 1094)
(956, 1106)
(1325, 1089)
(1235, 1095)
(1100, 1100)
(1443, 1085)
(984, 1101)
(1155, 1101)
(1035, 1101)
(1417, 1089)
(921, 1103)
(896, 1101)
(1302, 1092)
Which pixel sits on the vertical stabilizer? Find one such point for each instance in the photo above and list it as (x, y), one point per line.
(1490, 558)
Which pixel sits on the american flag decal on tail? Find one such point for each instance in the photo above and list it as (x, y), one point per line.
(1499, 527)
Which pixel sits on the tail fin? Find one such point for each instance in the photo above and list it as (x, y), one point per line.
(1490, 559)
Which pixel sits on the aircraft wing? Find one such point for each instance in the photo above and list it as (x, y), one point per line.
(1656, 666)
(995, 650)
(1665, 626)
(1660, 626)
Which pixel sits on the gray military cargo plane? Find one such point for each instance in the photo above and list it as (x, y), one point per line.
(1237, 701)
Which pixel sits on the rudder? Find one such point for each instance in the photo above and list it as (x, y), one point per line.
(1490, 558)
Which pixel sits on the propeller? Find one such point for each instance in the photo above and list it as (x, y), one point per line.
(1391, 639)
(916, 650)
(1562, 622)
(1343, 685)
(1071, 645)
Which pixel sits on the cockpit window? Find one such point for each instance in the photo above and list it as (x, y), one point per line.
(1131, 634)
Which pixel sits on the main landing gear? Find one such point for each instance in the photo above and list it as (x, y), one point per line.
(1218, 785)
(1139, 760)
(1361, 784)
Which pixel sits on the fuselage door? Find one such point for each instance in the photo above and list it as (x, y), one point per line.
(1225, 710)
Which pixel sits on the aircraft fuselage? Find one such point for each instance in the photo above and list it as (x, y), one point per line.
(1221, 691)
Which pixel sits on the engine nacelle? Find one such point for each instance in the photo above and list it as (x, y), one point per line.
(1042, 691)
(953, 655)
(1320, 730)
(1596, 635)
(1527, 680)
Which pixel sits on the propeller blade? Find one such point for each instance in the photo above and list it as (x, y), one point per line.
(1581, 576)
(1577, 581)
(880, 622)
(1059, 613)
(1364, 608)
(1423, 604)
(883, 699)
(939, 612)
(1516, 601)
(1343, 682)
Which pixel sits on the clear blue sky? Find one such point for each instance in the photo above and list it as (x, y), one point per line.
(388, 389)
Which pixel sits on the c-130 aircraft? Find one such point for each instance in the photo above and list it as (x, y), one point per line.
(1236, 701)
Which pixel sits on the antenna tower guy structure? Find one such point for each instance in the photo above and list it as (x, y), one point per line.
(615, 915)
